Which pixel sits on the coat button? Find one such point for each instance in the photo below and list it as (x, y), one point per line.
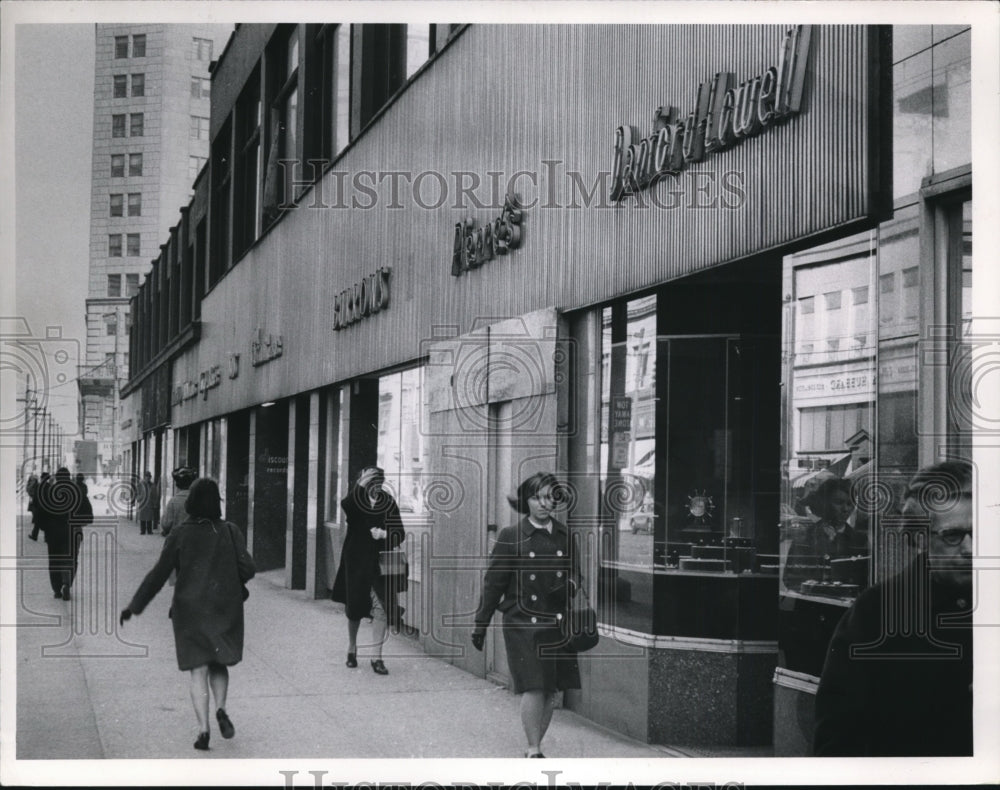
(962, 603)
(559, 553)
(532, 577)
(534, 597)
(531, 554)
(558, 574)
(534, 619)
(559, 616)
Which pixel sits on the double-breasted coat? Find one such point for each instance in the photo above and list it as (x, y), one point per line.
(149, 501)
(212, 565)
(531, 579)
(358, 573)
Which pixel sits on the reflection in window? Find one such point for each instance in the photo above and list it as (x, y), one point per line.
(401, 448)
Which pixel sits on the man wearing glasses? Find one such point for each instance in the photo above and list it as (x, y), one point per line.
(898, 675)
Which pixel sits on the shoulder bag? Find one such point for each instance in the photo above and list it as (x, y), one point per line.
(394, 563)
(236, 556)
(580, 628)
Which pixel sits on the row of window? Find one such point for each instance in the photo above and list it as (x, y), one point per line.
(135, 126)
(118, 165)
(118, 204)
(260, 154)
(199, 127)
(120, 85)
(201, 87)
(138, 46)
(115, 245)
(115, 285)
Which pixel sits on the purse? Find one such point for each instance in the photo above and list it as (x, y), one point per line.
(394, 563)
(232, 540)
(580, 628)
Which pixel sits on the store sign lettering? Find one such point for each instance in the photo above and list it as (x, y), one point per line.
(475, 246)
(207, 379)
(263, 349)
(361, 300)
(725, 113)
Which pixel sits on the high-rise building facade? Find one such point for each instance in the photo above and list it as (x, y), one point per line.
(151, 111)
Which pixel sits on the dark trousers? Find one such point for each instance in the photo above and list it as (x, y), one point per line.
(146, 527)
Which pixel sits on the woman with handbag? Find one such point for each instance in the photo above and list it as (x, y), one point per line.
(212, 567)
(532, 578)
(374, 526)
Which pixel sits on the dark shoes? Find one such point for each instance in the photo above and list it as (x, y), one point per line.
(65, 592)
(226, 727)
(378, 667)
(58, 594)
(352, 660)
(536, 754)
(202, 742)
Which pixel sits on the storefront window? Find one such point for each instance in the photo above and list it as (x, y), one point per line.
(401, 447)
(829, 393)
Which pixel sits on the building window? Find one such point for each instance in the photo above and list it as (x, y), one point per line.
(418, 47)
(116, 205)
(221, 253)
(335, 130)
(247, 170)
(135, 164)
(132, 244)
(832, 300)
(135, 204)
(131, 287)
(195, 164)
(139, 46)
(115, 245)
(201, 49)
(136, 124)
(118, 125)
(199, 128)
(111, 327)
(282, 147)
(860, 295)
(120, 90)
(117, 165)
(138, 84)
(121, 47)
(201, 88)
(114, 285)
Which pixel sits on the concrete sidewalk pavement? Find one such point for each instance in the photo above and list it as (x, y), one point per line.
(90, 689)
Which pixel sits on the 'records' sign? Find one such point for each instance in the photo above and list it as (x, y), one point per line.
(724, 114)
(362, 299)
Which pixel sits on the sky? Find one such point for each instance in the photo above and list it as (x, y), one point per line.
(54, 95)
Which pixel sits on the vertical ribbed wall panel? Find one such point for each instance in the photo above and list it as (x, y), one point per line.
(506, 98)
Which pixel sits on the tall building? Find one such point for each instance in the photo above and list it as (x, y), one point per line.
(151, 114)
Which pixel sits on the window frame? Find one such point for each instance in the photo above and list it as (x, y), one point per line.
(135, 172)
(115, 243)
(119, 125)
(117, 280)
(129, 246)
(139, 45)
(141, 78)
(136, 129)
(137, 204)
(119, 86)
(116, 204)
(121, 170)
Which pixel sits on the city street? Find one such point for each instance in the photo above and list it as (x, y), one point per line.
(88, 689)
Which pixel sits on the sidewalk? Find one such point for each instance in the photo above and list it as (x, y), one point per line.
(88, 689)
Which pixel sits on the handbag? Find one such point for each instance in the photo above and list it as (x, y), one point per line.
(246, 592)
(580, 628)
(394, 563)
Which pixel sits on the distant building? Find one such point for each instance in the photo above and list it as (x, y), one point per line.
(151, 110)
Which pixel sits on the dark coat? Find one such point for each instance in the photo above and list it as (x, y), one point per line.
(207, 610)
(83, 513)
(149, 501)
(905, 694)
(531, 578)
(359, 573)
(55, 502)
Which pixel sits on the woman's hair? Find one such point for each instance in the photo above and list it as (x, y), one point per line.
(528, 488)
(184, 476)
(819, 500)
(203, 499)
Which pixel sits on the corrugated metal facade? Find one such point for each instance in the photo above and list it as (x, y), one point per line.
(509, 99)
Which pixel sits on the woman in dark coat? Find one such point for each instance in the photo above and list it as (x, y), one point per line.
(212, 566)
(373, 526)
(532, 577)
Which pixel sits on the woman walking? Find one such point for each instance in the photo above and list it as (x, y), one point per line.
(532, 577)
(373, 526)
(212, 566)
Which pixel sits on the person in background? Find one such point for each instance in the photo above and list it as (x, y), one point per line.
(892, 691)
(174, 512)
(149, 504)
(531, 578)
(32, 489)
(82, 516)
(212, 566)
(373, 525)
(55, 502)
